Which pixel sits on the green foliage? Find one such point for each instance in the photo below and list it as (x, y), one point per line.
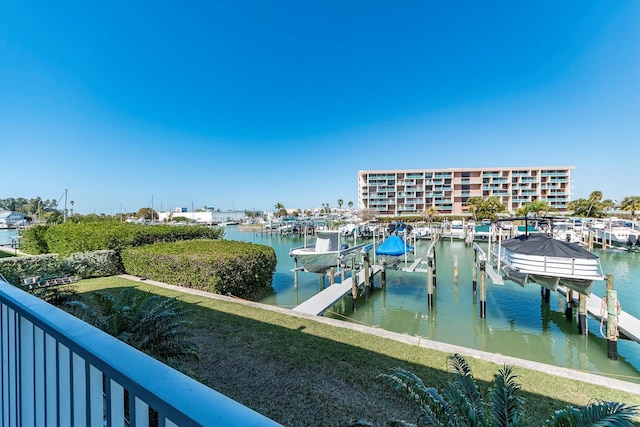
(150, 323)
(219, 266)
(598, 413)
(593, 207)
(83, 265)
(631, 203)
(18, 268)
(69, 238)
(485, 208)
(33, 241)
(461, 403)
(538, 207)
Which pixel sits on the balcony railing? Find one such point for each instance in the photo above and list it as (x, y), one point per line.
(58, 370)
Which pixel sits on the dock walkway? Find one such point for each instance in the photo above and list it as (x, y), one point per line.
(628, 325)
(323, 300)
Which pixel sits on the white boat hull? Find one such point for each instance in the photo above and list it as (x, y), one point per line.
(576, 272)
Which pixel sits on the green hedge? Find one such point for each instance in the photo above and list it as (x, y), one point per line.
(83, 265)
(219, 266)
(69, 238)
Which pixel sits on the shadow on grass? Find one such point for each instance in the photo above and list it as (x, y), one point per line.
(300, 372)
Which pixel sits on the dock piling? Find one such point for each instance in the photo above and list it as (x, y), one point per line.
(613, 309)
(474, 272)
(430, 283)
(483, 290)
(568, 311)
(455, 269)
(383, 275)
(583, 326)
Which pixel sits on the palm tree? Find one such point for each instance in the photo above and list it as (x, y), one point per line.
(150, 323)
(460, 402)
(340, 202)
(350, 204)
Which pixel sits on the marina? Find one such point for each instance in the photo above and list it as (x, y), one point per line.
(518, 321)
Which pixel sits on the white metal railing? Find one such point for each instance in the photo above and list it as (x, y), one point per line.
(60, 371)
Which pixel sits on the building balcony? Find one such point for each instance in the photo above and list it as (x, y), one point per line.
(59, 370)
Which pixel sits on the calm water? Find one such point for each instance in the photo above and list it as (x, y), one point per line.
(518, 323)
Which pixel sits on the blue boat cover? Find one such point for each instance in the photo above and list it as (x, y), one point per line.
(393, 246)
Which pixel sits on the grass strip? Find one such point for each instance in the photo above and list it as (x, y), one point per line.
(301, 372)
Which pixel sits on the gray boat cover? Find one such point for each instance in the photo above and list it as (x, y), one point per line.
(540, 244)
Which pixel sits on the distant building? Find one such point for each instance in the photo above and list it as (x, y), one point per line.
(204, 217)
(9, 219)
(413, 191)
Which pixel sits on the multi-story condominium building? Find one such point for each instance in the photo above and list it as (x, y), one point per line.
(413, 191)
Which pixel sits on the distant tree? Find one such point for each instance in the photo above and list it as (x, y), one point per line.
(631, 203)
(429, 213)
(538, 207)
(350, 204)
(147, 213)
(473, 205)
(340, 202)
(485, 208)
(593, 207)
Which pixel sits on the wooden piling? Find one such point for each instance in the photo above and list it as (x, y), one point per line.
(568, 310)
(295, 273)
(474, 272)
(430, 282)
(435, 281)
(332, 276)
(383, 275)
(455, 269)
(367, 279)
(583, 326)
(613, 309)
(483, 290)
(354, 284)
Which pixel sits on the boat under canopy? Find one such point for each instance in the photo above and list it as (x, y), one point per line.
(393, 246)
(327, 252)
(548, 262)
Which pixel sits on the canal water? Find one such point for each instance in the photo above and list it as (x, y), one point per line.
(517, 324)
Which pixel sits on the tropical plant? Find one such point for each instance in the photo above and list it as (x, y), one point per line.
(593, 207)
(538, 207)
(148, 322)
(484, 208)
(631, 203)
(461, 403)
(340, 202)
(350, 204)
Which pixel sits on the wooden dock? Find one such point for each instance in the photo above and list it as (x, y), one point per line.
(628, 325)
(323, 300)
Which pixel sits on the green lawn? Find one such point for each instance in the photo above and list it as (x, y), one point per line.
(300, 372)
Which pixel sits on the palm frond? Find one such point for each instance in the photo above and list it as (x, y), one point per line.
(505, 407)
(433, 408)
(472, 406)
(597, 414)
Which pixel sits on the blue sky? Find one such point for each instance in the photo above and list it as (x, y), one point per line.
(243, 104)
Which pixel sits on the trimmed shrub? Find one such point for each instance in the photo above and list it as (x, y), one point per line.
(69, 238)
(93, 264)
(83, 265)
(17, 268)
(218, 266)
